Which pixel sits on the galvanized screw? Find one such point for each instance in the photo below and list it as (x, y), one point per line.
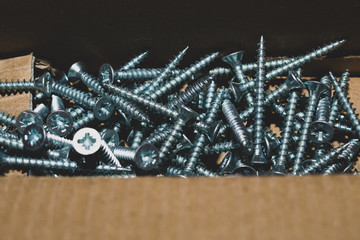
(29, 117)
(59, 121)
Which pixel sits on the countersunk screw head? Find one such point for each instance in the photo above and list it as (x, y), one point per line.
(316, 88)
(59, 123)
(87, 141)
(147, 156)
(238, 90)
(76, 69)
(234, 59)
(34, 137)
(103, 108)
(320, 132)
(187, 114)
(27, 118)
(293, 81)
(43, 83)
(106, 73)
(111, 137)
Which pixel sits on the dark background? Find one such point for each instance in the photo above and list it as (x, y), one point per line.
(114, 31)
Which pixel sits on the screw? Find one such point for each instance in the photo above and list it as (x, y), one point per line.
(83, 120)
(160, 78)
(237, 126)
(200, 140)
(232, 165)
(146, 156)
(11, 142)
(201, 100)
(258, 156)
(29, 117)
(335, 106)
(301, 60)
(7, 119)
(349, 153)
(321, 131)
(315, 89)
(111, 137)
(143, 73)
(220, 147)
(279, 168)
(186, 115)
(59, 154)
(210, 94)
(131, 64)
(269, 64)
(338, 168)
(59, 121)
(344, 101)
(136, 140)
(75, 111)
(168, 86)
(326, 159)
(234, 60)
(158, 136)
(200, 170)
(190, 92)
(19, 86)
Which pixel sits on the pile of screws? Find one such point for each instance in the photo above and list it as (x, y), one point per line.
(196, 121)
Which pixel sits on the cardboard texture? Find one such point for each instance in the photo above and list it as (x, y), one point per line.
(313, 207)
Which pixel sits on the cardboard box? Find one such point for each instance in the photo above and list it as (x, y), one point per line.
(311, 207)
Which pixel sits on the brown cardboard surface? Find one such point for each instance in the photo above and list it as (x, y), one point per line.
(14, 69)
(168, 208)
(313, 207)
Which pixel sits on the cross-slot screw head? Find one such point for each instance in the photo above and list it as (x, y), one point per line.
(87, 141)
(34, 137)
(106, 73)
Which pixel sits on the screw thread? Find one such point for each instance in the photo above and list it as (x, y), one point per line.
(196, 152)
(333, 169)
(71, 93)
(201, 100)
(210, 94)
(19, 86)
(83, 120)
(171, 139)
(335, 105)
(237, 126)
(129, 108)
(220, 71)
(220, 147)
(133, 62)
(158, 137)
(168, 86)
(305, 132)
(269, 64)
(7, 119)
(287, 131)
(57, 140)
(138, 137)
(349, 153)
(174, 171)
(11, 142)
(344, 101)
(301, 60)
(92, 83)
(108, 155)
(124, 153)
(75, 112)
(142, 101)
(190, 92)
(160, 78)
(143, 73)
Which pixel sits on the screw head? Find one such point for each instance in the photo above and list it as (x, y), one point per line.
(111, 137)
(43, 83)
(34, 137)
(259, 158)
(87, 141)
(316, 88)
(59, 123)
(234, 59)
(147, 157)
(62, 153)
(320, 132)
(76, 69)
(27, 118)
(279, 170)
(103, 108)
(293, 81)
(106, 73)
(62, 78)
(211, 130)
(187, 114)
(238, 90)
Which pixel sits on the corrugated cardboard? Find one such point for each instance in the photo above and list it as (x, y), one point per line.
(314, 207)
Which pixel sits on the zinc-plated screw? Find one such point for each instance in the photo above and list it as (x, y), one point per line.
(65, 167)
(220, 147)
(146, 156)
(326, 159)
(160, 78)
(7, 119)
(11, 142)
(210, 94)
(335, 106)
(200, 170)
(158, 136)
(321, 131)
(60, 154)
(301, 60)
(200, 140)
(59, 121)
(350, 152)
(279, 168)
(258, 155)
(344, 101)
(186, 115)
(168, 86)
(142, 73)
(182, 98)
(29, 117)
(237, 126)
(83, 120)
(19, 86)
(234, 60)
(269, 64)
(315, 89)
(338, 168)
(134, 61)
(136, 138)
(201, 100)
(75, 111)
(232, 165)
